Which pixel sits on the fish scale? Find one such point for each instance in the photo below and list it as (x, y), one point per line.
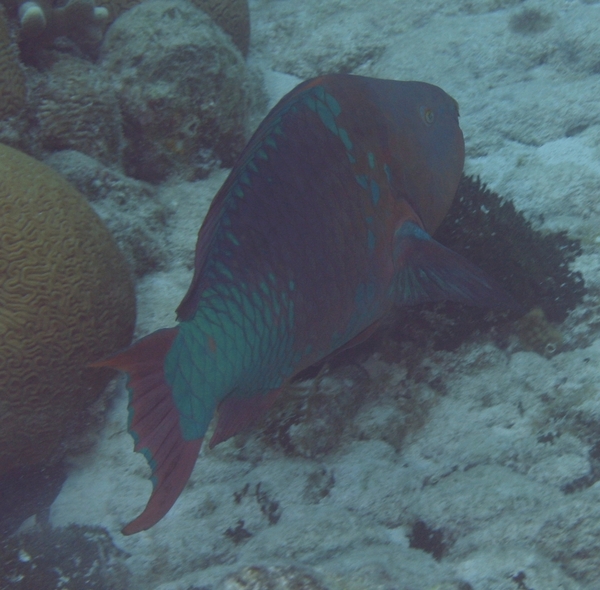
(321, 228)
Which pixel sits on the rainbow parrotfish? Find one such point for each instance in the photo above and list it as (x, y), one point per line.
(321, 228)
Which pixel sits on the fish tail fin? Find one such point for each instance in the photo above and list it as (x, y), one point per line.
(429, 271)
(154, 424)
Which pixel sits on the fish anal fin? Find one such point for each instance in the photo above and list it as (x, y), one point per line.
(154, 424)
(239, 413)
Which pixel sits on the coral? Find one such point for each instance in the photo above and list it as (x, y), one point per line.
(76, 108)
(12, 78)
(42, 21)
(66, 298)
(84, 22)
(117, 7)
(233, 16)
(533, 265)
(75, 557)
(183, 90)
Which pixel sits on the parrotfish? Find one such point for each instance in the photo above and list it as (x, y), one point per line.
(321, 228)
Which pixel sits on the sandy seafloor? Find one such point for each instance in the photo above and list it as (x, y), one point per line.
(487, 462)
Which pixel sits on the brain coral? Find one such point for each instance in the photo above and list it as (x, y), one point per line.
(66, 298)
(76, 108)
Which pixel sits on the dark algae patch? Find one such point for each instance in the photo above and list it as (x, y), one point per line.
(530, 21)
(28, 490)
(427, 539)
(532, 265)
(75, 557)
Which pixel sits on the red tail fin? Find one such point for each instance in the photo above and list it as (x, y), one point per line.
(154, 424)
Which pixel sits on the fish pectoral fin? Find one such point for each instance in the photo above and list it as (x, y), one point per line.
(239, 413)
(154, 424)
(428, 271)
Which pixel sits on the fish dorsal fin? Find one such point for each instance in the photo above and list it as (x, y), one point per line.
(207, 232)
(427, 271)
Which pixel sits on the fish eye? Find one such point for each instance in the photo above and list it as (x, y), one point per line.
(427, 115)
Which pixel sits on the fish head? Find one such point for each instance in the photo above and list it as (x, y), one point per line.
(425, 147)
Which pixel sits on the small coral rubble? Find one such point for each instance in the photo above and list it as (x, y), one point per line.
(273, 577)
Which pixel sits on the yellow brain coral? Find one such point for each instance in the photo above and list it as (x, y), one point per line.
(66, 299)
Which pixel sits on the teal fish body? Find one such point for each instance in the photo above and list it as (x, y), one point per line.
(322, 227)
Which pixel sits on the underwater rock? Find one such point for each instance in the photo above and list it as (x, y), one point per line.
(309, 420)
(130, 208)
(571, 538)
(373, 400)
(66, 299)
(233, 16)
(76, 108)
(74, 557)
(183, 90)
(116, 8)
(26, 491)
(537, 334)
